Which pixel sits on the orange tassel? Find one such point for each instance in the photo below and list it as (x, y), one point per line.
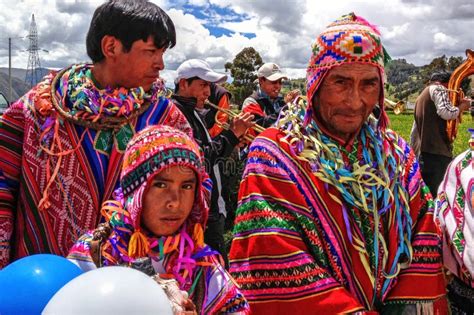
(138, 245)
(171, 244)
(198, 235)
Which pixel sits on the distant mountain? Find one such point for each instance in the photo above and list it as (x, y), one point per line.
(19, 86)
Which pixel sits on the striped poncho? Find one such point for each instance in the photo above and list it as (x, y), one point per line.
(85, 178)
(303, 246)
(181, 254)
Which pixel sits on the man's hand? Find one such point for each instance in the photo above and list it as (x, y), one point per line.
(189, 308)
(465, 104)
(290, 96)
(180, 301)
(241, 123)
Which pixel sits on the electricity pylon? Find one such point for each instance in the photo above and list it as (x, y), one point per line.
(33, 72)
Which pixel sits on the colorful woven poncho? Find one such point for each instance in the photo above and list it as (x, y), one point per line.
(182, 256)
(299, 245)
(62, 146)
(455, 210)
(322, 228)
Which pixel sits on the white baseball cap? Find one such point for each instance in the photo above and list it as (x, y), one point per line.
(271, 71)
(198, 68)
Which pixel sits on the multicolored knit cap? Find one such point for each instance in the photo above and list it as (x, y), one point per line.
(151, 151)
(350, 39)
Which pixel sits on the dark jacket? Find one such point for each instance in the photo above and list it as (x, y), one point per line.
(214, 149)
(268, 111)
(431, 127)
(217, 92)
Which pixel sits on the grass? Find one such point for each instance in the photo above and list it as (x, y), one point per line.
(402, 125)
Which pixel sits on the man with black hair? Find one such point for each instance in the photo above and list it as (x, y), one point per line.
(193, 87)
(62, 143)
(429, 136)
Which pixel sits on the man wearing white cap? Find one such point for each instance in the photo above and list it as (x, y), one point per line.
(192, 88)
(265, 103)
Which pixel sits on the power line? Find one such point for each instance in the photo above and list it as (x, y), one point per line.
(12, 37)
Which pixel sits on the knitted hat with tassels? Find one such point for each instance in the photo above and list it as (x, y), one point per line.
(350, 39)
(148, 153)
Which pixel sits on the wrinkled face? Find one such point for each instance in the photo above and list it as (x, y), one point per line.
(169, 200)
(346, 98)
(140, 66)
(199, 89)
(271, 88)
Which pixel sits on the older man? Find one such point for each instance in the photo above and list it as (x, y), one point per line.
(333, 215)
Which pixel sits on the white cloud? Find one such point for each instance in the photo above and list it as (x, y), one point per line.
(396, 31)
(417, 30)
(442, 39)
(295, 73)
(201, 3)
(246, 26)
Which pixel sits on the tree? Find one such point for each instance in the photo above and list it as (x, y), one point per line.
(243, 70)
(405, 79)
(437, 64)
(445, 64)
(454, 62)
(399, 71)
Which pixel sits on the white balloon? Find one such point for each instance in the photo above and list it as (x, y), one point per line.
(110, 290)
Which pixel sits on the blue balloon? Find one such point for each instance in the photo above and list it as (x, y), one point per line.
(27, 284)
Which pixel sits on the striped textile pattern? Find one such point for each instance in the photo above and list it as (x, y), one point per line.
(85, 179)
(292, 253)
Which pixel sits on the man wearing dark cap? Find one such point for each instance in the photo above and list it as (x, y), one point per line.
(429, 136)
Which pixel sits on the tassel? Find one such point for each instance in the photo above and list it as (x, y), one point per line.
(138, 245)
(365, 22)
(198, 235)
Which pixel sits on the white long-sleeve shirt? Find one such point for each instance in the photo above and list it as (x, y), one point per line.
(444, 107)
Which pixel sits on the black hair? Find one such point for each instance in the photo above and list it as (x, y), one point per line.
(129, 21)
(440, 76)
(190, 80)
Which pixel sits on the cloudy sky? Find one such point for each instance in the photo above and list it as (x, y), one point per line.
(216, 30)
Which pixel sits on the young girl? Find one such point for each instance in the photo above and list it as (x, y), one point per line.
(159, 216)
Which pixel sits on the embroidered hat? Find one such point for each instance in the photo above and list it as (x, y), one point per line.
(153, 149)
(271, 71)
(198, 68)
(149, 152)
(350, 39)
